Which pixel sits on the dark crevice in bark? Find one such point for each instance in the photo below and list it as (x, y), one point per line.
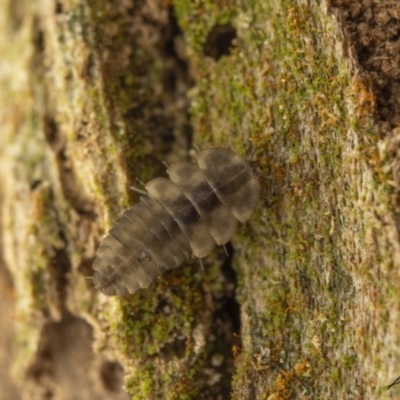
(58, 8)
(226, 327)
(177, 79)
(59, 266)
(146, 87)
(111, 375)
(231, 305)
(175, 349)
(220, 41)
(374, 28)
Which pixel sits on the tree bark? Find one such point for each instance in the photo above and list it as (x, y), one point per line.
(98, 93)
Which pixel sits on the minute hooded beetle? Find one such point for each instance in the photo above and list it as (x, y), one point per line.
(186, 215)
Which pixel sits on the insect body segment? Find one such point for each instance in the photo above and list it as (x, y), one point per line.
(186, 215)
(220, 222)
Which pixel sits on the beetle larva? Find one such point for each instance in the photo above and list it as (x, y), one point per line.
(186, 215)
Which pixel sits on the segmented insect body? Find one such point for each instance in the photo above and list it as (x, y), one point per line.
(186, 215)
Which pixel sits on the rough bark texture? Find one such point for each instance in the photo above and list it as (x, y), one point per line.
(97, 93)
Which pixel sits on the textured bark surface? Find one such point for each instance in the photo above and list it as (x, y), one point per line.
(96, 94)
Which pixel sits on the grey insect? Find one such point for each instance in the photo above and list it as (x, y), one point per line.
(186, 215)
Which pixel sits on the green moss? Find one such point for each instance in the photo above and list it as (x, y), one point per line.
(147, 323)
